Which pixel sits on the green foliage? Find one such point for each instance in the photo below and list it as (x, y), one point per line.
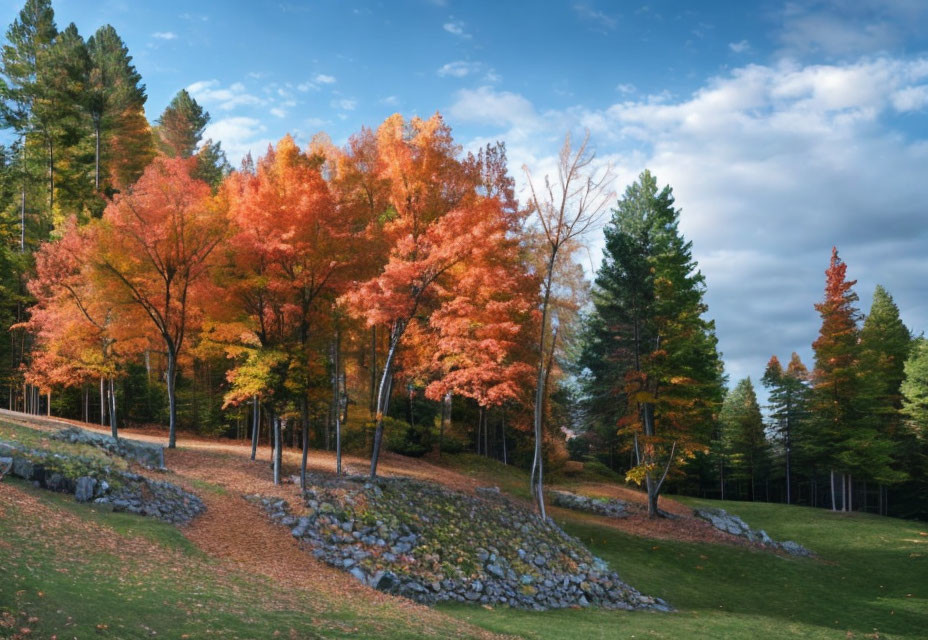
(650, 360)
(915, 389)
(181, 126)
(743, 435)
(406, 439)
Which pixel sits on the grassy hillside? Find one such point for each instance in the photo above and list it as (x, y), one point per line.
(73, 571)
(870, 580)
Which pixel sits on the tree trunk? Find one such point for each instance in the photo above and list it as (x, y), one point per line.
(255, 426)
(505, 454)
(722, 477)
(51, 179)
(113, 425)
(834, 506)
(305, 433)
(537, 476)
(850, 492)
(22, 212)
(337, 402)
(445, 420)
(172, 400)
(96, 160)
(383, 395)
(48, 404)
(373, 402)
(652, 500)
(277, 446)
(102, 403)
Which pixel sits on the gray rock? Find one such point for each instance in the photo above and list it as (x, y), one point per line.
(795, 549)
(724, 521)
(384, 581)
(23, 468)
(84, 489)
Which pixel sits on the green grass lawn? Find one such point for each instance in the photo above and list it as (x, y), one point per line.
(870, 580)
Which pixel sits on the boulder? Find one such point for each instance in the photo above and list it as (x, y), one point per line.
(84, 489)
(23, 468)
(730, 523)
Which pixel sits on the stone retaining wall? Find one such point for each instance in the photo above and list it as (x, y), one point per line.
(145, 453)
(430, 544)
(91, 481)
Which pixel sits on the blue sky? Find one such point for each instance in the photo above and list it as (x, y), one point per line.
(784, 127)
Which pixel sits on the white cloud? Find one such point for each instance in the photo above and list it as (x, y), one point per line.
(314, 84)
(911, 98)
(239, 135)
(209, 92)
(456, 27)
(626, 88)
(740, 47)
(771, 165)
(850, 28)
(164, 35)
(598, 20)
(278, 112)
(487, 106)
(390, 101)
(345, 104)
(459, 69)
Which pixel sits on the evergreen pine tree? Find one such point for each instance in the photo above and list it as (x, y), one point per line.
(180, 131)
(743, 434)
(788, 398)
(62, 85)
(846, 438)
(884, 347)
(115, 102)
(658, 354)
(21, 59)
(915, 389)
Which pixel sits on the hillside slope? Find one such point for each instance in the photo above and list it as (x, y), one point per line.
(75, 572)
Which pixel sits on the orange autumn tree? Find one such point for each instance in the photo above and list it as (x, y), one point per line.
(77, 326)
(475, 342)
(436, 219)
(151, 252)
(287, 253)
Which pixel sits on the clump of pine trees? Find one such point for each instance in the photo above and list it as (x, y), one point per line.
(849, 434)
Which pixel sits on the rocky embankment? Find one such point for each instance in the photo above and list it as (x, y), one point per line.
(600, 507)
(730, 523)
(431, 544)
(150, 456)
(91, 480)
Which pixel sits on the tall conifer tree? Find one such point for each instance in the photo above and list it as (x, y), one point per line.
(659, 352)
(788, 396)
(115, 102)
(743, 434)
